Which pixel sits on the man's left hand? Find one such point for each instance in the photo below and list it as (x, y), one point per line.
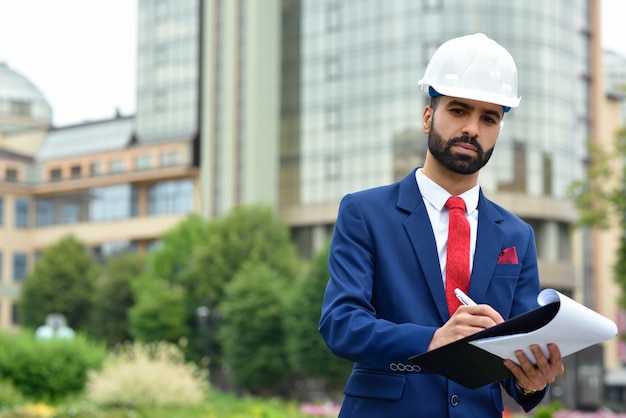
(534, 377)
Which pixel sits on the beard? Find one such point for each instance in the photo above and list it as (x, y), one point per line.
(457, 163)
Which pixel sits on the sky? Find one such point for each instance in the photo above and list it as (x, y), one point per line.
(81, 54)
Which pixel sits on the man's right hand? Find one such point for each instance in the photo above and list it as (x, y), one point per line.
(467, 320)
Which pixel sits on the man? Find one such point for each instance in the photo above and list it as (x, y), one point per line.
(386, 299)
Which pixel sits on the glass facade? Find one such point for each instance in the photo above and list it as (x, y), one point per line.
(168, 64)
(352, 109)
(116, 202)
(94, 205)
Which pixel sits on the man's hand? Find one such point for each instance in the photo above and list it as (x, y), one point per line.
(467, 320)
(532, 378)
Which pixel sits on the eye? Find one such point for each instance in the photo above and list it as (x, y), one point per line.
(457, 111)
(490, 120)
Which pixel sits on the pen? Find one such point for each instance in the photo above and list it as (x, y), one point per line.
(465, 300)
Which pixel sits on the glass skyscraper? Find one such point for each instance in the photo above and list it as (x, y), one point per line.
(352, 110)
(168, 66)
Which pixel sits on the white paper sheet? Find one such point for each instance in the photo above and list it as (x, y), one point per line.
(573, 328)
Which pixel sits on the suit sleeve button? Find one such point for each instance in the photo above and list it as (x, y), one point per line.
(454, 400)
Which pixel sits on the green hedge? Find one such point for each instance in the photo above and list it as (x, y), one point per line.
(9, 395)
(48, 369)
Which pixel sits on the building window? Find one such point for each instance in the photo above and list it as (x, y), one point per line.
(20, 262)
(56, 174)
(95, 169)
(114, 248)
(332, 118)
(171, 197)
(333, 70)
(161, 9)
(116, 166)
(10, 174)
(547, 174)
(70, 213)
(113, 202)
(169, 159)
(432, 5)
(160, 101)
(21, 213)
(153, 245)
(143, 162)
(519, 167)
(75, 171)
(160, 55)
(333, 16)
(1, 211)
(332, 168)
(14, 315)
(44, 215)
(565, 242)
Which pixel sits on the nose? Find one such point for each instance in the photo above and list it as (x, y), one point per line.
(472, 127)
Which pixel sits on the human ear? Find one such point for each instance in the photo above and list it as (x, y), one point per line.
(427, 119)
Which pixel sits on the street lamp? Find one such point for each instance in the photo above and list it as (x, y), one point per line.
(203, 312)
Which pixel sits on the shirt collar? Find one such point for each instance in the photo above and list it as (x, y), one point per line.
(437, 195)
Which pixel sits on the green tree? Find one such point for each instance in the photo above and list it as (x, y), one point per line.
(601, 197)
(159, 312)
(62, 281)
(173, 258)
(308, 354)
(594, 196)
(252, 332)
(245, 234)
(114, 297)
(171, 263)
(198, 258)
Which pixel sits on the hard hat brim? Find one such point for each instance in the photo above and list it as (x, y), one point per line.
(481, 96)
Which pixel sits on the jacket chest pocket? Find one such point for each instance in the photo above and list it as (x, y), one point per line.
(507, 270)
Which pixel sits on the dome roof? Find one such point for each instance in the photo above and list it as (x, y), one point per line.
(22, 106)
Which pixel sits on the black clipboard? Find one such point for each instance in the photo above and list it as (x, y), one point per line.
(474, 367)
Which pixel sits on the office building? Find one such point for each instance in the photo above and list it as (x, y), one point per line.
(94, 180)
(298, 102)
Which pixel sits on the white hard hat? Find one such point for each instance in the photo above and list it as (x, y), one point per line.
(473, 67)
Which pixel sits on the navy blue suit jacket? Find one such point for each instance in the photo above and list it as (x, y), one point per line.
(385, 299)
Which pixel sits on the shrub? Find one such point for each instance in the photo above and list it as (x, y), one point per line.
(147, 374)
(48, 369)
(9, 395)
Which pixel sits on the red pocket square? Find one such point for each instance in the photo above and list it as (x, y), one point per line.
(508, 256)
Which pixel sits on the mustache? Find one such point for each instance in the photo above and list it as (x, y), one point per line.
(465, 140)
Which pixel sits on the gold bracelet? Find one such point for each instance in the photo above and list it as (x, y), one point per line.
(526, 392)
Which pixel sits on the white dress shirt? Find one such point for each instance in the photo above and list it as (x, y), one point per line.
(435, 198)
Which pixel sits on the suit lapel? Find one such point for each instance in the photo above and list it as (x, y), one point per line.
(488, 245)
(420, 233)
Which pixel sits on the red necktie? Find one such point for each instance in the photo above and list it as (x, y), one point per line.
(457, 256)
